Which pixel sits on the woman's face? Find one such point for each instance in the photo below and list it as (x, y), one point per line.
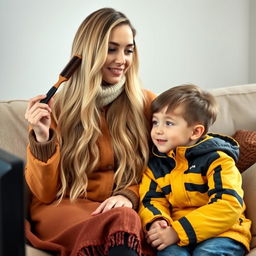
(120, 54)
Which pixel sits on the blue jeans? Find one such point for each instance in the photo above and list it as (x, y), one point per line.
(217, 246)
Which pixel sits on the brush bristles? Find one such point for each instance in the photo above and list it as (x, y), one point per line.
(71, 67)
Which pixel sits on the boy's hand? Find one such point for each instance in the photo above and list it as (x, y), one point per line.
(159, 223)
(160, 235)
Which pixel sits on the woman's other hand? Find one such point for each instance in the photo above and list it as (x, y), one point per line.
(113, 202)
(39, 117)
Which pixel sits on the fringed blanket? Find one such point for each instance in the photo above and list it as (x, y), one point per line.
(70, 229)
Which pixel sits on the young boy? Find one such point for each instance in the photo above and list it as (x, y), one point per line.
(191, 195)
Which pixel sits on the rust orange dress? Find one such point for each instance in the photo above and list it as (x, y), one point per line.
(69, 228)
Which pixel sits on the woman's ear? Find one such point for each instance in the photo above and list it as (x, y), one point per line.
(197, 132)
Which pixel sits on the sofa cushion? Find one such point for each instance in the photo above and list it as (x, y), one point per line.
(14, 128)
(252, 252)
(247, 142)
(237, 106)
(249, 187)
(31, 251)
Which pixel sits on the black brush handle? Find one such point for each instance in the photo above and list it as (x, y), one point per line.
(49, 94)
(66, 73)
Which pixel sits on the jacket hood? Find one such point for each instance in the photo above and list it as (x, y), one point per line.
(210, 143)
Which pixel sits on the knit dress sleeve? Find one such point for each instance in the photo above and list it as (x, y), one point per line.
(42, 171)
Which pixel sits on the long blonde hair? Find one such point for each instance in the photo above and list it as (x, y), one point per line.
(78, 116)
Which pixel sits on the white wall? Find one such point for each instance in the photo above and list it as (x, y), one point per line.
(199, 41)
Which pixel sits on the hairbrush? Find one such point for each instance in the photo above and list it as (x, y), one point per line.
(66, 73)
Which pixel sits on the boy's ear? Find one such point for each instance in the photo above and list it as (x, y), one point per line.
(198, 130)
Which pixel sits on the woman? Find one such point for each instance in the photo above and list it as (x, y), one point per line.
(88, 148)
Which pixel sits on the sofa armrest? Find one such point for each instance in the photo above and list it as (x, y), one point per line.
(249, 181)
(14, 127)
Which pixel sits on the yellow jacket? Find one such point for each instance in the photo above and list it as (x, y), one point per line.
(197, 190)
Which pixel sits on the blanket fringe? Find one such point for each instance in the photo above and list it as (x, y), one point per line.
(113, 240)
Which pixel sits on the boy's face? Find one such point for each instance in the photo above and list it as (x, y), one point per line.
(170, 130)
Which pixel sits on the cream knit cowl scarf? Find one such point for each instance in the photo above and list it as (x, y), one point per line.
(109, 93)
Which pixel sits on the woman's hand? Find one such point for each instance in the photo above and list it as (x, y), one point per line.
(39, 117)
(113, 202)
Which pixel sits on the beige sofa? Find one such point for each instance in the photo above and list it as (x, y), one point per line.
(237, 111)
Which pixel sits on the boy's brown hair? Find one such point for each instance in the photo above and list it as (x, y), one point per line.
(199, 106)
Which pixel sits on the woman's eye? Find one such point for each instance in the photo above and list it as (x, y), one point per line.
(129, 51)
(111, 49)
